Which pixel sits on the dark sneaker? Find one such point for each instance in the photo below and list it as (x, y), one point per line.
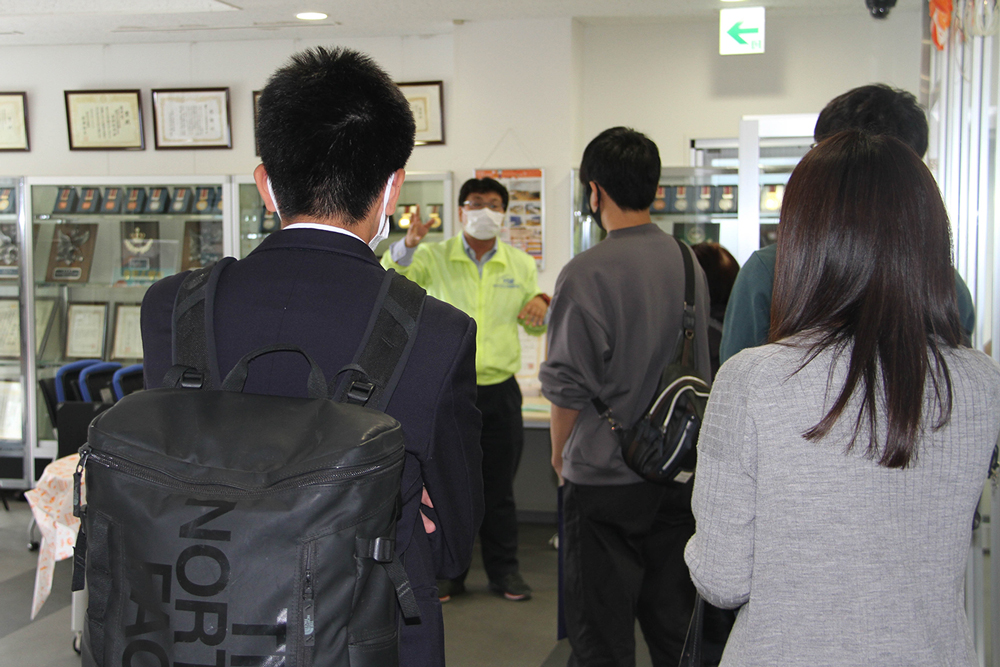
(447, 588)
(512, 587)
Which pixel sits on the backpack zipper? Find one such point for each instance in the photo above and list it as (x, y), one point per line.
(308, 607)
(88, 454)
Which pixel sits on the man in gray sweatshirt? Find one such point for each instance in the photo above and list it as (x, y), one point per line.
(614, 322)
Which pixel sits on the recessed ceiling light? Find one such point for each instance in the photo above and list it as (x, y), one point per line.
(732, 0)
(311, 16)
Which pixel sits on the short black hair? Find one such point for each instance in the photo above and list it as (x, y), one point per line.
(720, 269)
(331, 128)
(624, 162)
(876, 109)
(482, 186)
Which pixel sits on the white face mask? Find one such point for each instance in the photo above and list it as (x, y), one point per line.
(383, 225)
(274, 200)
(483, 224)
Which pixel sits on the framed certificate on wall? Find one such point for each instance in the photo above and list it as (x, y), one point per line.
(191, 118)
(14, 122)
(86, 324)
(104, 120)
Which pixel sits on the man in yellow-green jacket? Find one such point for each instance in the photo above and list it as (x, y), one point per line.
(497, 285)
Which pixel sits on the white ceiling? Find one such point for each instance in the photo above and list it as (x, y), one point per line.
(117, 21)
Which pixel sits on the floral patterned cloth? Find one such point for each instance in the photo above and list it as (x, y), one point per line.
(51, 504)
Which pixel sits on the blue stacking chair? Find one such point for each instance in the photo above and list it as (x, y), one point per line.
(126, 380)
(68, 380)
(96, 377)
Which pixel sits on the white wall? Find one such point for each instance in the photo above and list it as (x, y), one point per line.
(669, 81)
(518, 93)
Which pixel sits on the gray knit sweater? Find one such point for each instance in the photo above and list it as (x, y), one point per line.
(835, 559)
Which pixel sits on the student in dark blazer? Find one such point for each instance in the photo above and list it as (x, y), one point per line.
(334, 134)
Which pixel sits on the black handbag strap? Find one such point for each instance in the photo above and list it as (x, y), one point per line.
(691, 654)
(371, 377)
(684, 349)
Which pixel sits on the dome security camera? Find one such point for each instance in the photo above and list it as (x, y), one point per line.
(880, 8)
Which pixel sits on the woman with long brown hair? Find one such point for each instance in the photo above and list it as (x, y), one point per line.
(839, 466)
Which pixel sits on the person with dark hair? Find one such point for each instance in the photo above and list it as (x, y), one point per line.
(839, 466)
(334, 134)
(616, 317)
(721, 269)
(877, 109)
(497, 284)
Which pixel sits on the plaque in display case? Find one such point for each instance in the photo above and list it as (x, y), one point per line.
(204, 200)
(159, 200)
(409, 213)
(434, 215)
(9, 251)
(8, 201)
(704, 201)
(72, 253)
(10, 326)
(90, 201)
(136, 201)
(181, 201)
(127, 339)
(679, 203)
(65, 201)
(113, 198)
(140, 250)
(217, 208)
(770, 198)
(85, 328)
(202, 243)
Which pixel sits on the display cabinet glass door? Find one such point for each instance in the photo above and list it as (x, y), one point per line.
(96, 247)
(14, 463)
(427, 194)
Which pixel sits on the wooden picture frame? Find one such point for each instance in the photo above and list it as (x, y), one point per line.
(126, 341)
(191, 118)
(104, 120)
(426, 99)
(86, 330)
(14, 122)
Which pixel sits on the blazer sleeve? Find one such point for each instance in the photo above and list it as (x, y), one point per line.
(453, 469)
(720, 555)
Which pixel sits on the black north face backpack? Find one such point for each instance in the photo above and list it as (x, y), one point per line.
(223, 528)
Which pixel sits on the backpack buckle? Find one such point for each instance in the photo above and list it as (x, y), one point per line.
(192, 379)
(360, 391)
(382, 549)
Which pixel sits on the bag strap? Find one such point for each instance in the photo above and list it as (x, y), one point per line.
(195, 361)
(691, 654)
(684, 349)
(372, 376)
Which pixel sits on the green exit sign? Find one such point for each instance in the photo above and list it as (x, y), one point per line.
(741, 31)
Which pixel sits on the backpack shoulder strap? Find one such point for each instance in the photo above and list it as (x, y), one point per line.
(195, 362)
(371, 377)
(685, 352)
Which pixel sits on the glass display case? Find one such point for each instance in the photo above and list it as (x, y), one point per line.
(97, 244)
(427, 194)
(14, 459)
(692, 203)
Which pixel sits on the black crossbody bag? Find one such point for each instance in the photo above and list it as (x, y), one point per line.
(661, 446)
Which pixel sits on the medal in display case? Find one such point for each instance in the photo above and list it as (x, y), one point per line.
(96, 245)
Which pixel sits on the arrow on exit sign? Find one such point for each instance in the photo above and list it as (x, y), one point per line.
(741, 30)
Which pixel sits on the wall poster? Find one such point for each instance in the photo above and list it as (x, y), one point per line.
(525, 224)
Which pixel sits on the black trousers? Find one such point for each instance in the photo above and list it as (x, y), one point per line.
(624, 559)
(502, 441)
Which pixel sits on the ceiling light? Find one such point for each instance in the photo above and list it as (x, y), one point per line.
(732, 0)
(311, 16)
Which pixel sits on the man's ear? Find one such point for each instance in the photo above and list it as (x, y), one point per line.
(260, 178)
(397, 185)
(595, 195)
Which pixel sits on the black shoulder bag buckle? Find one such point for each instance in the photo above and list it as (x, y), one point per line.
(661, 446)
